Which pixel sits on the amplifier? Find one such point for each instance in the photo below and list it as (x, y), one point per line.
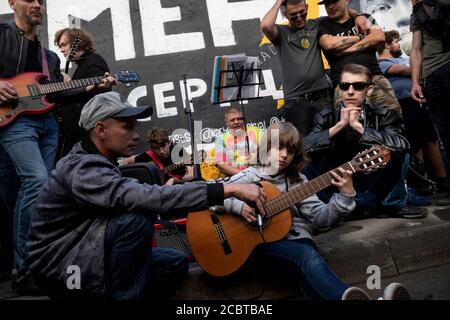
(172, 234)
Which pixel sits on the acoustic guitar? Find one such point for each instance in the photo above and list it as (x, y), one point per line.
(221, 243)
(32, 94)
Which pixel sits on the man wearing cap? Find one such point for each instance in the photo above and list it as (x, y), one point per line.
(94, 224)
(305, 85)
(343, 44)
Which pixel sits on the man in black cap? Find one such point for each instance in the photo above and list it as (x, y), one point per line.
(92, 227)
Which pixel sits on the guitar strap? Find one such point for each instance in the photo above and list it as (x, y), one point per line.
(44, 63)
(155, 159)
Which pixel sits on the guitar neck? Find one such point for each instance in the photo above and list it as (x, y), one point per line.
(173, 167)
(68, 85)
(301, 192)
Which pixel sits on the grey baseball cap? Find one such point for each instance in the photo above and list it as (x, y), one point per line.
(110, 105)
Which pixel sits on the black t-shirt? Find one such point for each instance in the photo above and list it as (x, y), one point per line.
(366, 57)
(33, 63)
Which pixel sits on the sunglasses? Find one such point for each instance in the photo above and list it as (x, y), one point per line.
(297, 16)
(358, 86)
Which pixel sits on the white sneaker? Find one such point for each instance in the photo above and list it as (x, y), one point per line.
(355, 293)
(396, 291)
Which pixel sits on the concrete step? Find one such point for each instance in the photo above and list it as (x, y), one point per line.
(395, 245)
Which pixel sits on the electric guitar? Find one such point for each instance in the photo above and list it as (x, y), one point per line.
(32, 94)
(221, 243)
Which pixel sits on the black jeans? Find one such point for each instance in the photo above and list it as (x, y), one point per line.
(300, 112)
(131, 263)
(437, 93)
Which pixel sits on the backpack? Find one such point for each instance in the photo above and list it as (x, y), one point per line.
(434, 17)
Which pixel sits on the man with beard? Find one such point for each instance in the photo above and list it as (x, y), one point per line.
(236, 148)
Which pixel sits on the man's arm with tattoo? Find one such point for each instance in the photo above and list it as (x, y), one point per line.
(337, 44)
(374, 37)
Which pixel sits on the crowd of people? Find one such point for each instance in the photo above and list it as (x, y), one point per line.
(71, 206)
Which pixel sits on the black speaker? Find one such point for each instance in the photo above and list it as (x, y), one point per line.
(172, 234)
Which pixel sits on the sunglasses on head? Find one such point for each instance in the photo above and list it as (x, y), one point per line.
(298, 15)
(358, 86)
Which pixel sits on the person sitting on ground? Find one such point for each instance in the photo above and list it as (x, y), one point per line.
(160, 154)
(283, 146)
(90, 218)
(236, 148)
(339, 135)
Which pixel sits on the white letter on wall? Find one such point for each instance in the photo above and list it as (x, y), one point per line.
(222, 14)
(271, 89)
(135, 95)
(153, 17)
(195, 88)
(160, 100)
(58, 18)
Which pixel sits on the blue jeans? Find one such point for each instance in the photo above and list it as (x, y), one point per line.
(131, 264)
(310, 269)
(30, 143)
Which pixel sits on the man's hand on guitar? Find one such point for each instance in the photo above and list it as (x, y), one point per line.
(7, 92)
(343, 181)
(249, 193)
(108, 82)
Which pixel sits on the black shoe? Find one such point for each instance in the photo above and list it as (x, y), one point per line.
(411, 212)
(408, 212)
(24, 285)
(441, 185)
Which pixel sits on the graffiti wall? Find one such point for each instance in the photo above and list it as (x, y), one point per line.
(164, 40)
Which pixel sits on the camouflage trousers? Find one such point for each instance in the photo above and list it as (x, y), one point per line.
(382, 94)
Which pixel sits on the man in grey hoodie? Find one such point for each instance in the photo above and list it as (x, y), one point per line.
(91, 220)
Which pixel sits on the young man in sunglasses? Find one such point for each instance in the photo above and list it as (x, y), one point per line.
(342, 44)
(305, 85)
(337, 136)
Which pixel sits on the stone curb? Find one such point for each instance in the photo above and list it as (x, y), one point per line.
(395, 253)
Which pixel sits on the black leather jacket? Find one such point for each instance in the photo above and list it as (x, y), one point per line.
(382, 126)
(13, 53)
